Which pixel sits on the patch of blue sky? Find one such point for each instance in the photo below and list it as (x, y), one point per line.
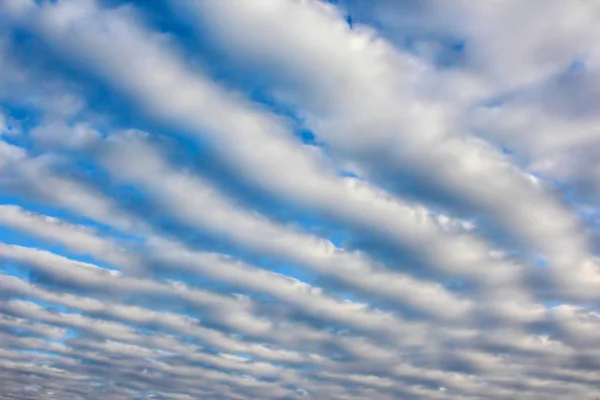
(157, 14)
(193, 341)
(349, 297)
(290, 115)
(507, 150)
(261, 95)
(443, 51)
(21, 118)
(70, 334)
(39, 64)
(540, 261)
(576, 198)
(13, 236)
(301, 274)
(35, 353)
(570, 193)
(349, 174)
(13, 269)
(576, 66)
(340, 238)
(103, 103)
(553, 304)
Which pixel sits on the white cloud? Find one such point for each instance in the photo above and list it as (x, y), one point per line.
(196, 202)
(371, 104)
(79, 239)
(56, 134)
(258, 146)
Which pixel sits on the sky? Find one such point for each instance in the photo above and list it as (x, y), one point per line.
(299, 199)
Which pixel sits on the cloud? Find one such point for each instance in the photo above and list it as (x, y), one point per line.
(289, 199)
(351, 202)
(417, 138)
(55, 134)
(77, 238)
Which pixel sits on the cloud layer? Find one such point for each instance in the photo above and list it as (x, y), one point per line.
(299, 199)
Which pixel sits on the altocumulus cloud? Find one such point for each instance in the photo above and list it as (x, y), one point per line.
(299, 199)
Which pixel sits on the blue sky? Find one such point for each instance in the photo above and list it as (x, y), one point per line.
(284, 199)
